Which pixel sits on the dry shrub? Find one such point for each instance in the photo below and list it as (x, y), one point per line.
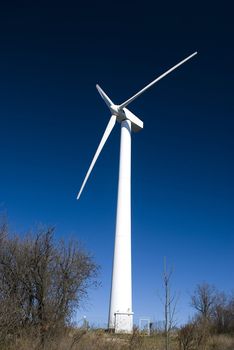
(74, 339)
(221, 342)
(136, 340)
(194, 336)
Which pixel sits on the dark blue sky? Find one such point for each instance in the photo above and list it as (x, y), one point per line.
(52, 119)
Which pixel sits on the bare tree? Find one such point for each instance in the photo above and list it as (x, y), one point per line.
(203, 300)
(223, 314)
(170, 303)
(42, 282)
(3, 227)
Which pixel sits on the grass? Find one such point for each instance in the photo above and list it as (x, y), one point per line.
(73, 339)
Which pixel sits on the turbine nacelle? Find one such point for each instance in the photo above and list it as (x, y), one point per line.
(115, 110)
(120, 111)
(123, 114)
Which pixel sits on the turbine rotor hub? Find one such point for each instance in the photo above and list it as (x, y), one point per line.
(118, 112)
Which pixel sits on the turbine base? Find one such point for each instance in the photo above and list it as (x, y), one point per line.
(123, 322)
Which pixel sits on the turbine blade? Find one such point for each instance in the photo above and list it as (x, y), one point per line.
(105, 136)
(104, 96)
(137, 124)
(155, 81)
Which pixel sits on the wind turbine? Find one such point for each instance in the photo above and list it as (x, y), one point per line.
(120, 308)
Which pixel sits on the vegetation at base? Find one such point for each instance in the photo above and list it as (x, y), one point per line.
(42, 282)
(78, 339)
(213, 324)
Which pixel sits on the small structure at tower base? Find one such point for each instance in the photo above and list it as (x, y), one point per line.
(123, 322)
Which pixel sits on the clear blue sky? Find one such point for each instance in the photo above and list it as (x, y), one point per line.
(52, 119)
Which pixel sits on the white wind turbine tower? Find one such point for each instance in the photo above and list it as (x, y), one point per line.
(120, 309)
